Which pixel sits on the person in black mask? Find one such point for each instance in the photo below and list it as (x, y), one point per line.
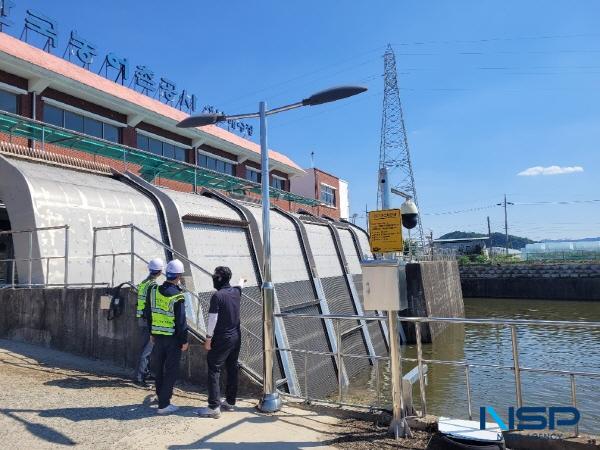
(223, 341)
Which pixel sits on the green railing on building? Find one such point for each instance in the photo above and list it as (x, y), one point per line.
(151, 166)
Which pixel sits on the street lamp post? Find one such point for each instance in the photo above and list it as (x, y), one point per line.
(270, 401)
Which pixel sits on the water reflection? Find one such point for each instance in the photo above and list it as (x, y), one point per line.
(568, 348)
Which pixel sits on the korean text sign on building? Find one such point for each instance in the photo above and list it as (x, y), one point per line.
(385, 228)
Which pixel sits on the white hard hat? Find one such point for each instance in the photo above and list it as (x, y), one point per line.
(156, 264)
(175, 267)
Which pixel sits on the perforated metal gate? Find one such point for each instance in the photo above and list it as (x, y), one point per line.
(214, 245)
(295, 293)
(337, 293)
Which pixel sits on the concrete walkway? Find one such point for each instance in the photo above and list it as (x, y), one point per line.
(50, 399)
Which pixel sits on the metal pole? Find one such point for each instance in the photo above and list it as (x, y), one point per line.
(420, 365)
(574, 400)
(506, 225)
(306, 376)
(94, 259)
(489, 236)
(378, 383)
(398, 426)
(132, 253)
(196, 178)
(468, 391)
(30, 256)
(66, 275)
(270, 401)
(112, 277)
(14, 269)
(517, 368)
(338, 339)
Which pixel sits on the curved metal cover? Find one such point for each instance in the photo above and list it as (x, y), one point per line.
(200, 205)
(83, 201)
(324, 252)
(287, 260)
(349, 248)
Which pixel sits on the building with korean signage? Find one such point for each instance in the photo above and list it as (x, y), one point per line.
(59, 93)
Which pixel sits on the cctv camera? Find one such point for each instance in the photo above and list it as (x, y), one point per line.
(410, 214)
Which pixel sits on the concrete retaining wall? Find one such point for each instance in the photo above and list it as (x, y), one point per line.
(72, 321)
(433, 290)
(545, 281)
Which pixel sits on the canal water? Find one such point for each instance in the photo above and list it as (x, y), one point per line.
(544, 347)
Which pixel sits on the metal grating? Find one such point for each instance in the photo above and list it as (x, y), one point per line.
(353, 343)
(294, 293)
(339, 301)
(309, 334)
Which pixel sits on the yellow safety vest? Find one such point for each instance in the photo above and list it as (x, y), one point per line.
(142, 291)
(163, 311)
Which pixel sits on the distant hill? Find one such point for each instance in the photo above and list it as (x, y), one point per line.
(498, 239)
(572, 240)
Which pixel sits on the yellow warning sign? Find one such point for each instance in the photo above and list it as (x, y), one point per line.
(385, 228)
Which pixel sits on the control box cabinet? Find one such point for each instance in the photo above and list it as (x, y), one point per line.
(384, 285)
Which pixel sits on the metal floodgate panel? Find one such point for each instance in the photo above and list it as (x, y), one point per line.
(353, 343)
(339, 301)
(309, 334)
(210, 246)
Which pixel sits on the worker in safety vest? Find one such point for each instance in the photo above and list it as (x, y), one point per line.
(155, 268)
(165, 310)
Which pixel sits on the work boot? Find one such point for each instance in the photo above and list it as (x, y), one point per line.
(207, 411)
(168, 409)
(225, 406)
(140, 382)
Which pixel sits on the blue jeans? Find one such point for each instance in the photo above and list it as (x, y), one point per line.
(142, 369)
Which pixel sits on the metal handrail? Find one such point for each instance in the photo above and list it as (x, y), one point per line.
(516, 367)
(180, 255)
(31, 258)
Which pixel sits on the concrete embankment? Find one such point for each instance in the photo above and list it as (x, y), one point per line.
(531, 281)
(71, 320)
(433, 291)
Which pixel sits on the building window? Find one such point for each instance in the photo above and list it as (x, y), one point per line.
(8, 102)
(83, 124)
(253, 175)
(328, 195)
(160, 148)
(278, 183)
(218, 165)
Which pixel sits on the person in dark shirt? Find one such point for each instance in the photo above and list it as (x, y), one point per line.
(165, 311)
(223, 341)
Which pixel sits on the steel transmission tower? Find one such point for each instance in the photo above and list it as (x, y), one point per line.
(394, 155)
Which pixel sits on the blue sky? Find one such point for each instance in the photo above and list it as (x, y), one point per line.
(489, 89)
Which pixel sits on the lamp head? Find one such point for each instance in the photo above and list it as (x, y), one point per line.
(333, 94)
(201, 120)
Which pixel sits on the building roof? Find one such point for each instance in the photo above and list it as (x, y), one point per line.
(44, 62)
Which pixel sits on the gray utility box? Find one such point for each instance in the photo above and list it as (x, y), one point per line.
(384, 285)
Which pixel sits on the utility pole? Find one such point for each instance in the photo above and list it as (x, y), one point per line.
(505, 203)
(367, 216)
(490, 236)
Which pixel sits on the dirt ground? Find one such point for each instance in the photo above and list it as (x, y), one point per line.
(50, 399)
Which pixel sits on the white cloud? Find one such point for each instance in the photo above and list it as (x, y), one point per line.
(550, 170)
